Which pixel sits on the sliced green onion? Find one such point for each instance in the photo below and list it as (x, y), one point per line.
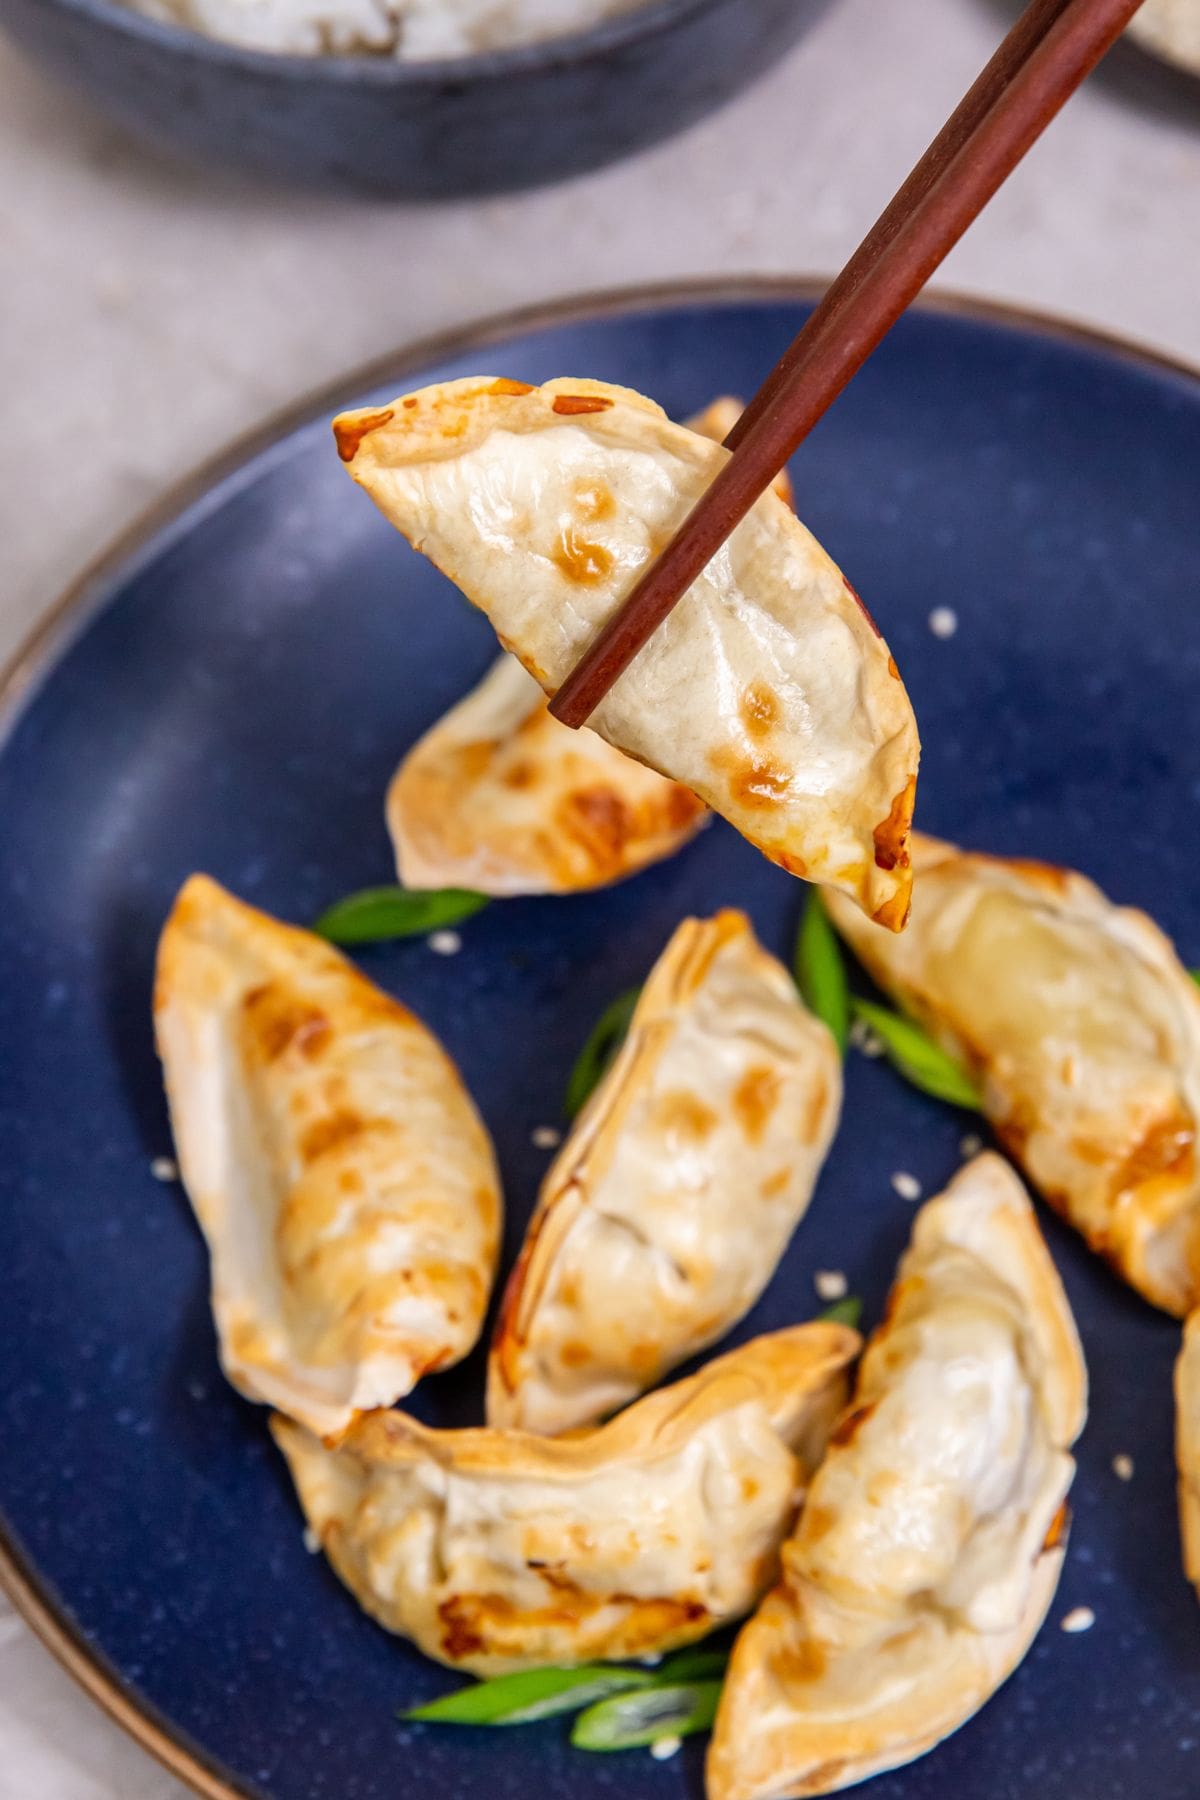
(374, 914)
(1195, 975)
(911, 1051)
(533, 1694)
(843, 1312)
(628, 1721)
(604, 1040)
(697, 1664)
(820, 971)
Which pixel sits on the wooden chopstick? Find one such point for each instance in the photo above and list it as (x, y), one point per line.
(1053, 47)
(1029, 30)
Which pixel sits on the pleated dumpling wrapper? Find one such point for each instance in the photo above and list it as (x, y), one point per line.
(1083, 1030)
(768, 691)
(665, 1213)
(1187, 1446)
(342, 1177)
(930, 1544)
(496, 1550)
(501, 798)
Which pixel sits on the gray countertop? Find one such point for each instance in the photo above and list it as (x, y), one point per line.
(150, 313)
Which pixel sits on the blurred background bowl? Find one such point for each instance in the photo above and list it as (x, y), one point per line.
(479, 124)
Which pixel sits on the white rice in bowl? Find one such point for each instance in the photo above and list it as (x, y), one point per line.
(1170, 28)
(412, 30)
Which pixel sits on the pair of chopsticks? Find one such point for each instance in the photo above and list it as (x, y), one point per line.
(1053, 46)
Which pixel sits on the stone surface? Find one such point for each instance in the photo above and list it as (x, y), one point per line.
(150, 313)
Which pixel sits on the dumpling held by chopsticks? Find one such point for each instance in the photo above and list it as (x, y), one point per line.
(768, 691)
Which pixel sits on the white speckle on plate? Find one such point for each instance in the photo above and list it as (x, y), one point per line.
(545, 1137)
(1122, 1467)
(831, 1284)
(312, 1542)
(906, 1185)
(165, 1168)
(662, 1748)
(652, 1661)
(943, 621)
(1080, 1618)
(445, 943)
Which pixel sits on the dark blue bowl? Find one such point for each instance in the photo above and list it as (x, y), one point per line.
(473, 125)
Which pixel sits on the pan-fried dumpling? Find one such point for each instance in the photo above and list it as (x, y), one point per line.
(494, 1550)
(930, 1544)
(499, 797)
(666, 1211)
(768, 691)
(1187, 1445)
(1083, 1030)
(341, 1175)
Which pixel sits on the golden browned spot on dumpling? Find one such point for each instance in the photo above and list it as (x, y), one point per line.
(754, 1100)
(349, 434)
(579, 559)
(474, 1622)
(758, 709)
(575, 1356)
(645, 1360)
(594, 501)
(1059, 1526)
(753, 781)
(275, 1021)
(814, 1116)
(685, 1113)
(893, 671)
(774, 1185)
(566, 405)
(795, 865)
(1168, 1148)
(852, 1424)
(248, 1342)
(861, 605)
(600, 816)
(750, 1488)
(802, 1660)
(331, 1133)
(891, 837)
(519, 776)
(819, 1521)
(682, 806)
(504, 386)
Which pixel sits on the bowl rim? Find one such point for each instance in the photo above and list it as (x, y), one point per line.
(644, 20)
(32, 1597)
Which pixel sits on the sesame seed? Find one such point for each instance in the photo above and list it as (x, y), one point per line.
(943, 621)
(662, 1748)
(1080, 1618)
(445, 943)
(165, 1168)
(971, 1145)
(906, 1185)
(545, 1137)
(831, 1284)
(864, 1039)
(1122, 1467)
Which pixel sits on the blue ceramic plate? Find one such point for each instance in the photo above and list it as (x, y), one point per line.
(231, 694)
